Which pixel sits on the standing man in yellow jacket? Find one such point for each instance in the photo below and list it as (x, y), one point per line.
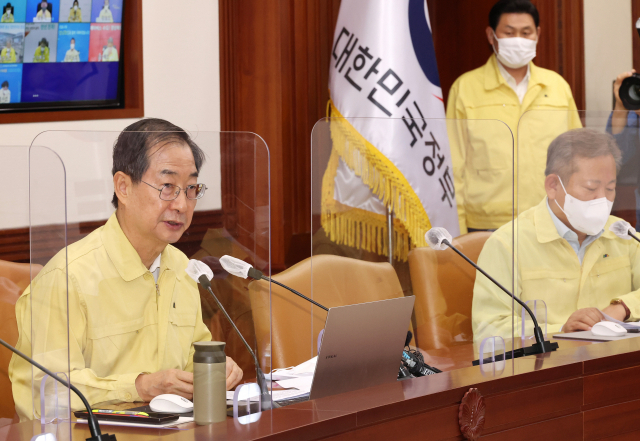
(133, 313)
(506, 87)
(565, 254)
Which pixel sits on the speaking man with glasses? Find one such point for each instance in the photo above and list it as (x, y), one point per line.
(134, 314)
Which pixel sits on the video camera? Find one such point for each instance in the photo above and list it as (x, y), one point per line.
(630, 87)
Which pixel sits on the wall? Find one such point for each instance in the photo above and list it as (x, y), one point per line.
(608, 51)
(181, 84)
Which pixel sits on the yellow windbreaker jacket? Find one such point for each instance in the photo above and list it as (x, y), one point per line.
(548, 269)
(482, 150)
(121, 323)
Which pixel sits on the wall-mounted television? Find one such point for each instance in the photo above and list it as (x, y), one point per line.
(60, 54)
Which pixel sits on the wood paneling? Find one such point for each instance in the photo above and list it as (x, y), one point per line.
(635, 14)
(131, 55)
(274, 64)
(461, 45)
(14, 243)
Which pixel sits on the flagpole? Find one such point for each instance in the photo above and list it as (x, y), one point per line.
(390, 232)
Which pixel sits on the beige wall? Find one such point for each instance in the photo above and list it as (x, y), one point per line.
(181, 84)
(608, 50)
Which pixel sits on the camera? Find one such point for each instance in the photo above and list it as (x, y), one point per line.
(630, 92)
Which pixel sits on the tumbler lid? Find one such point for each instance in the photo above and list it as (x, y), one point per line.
(209, 352)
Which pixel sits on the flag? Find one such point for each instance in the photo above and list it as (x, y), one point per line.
(383, 66)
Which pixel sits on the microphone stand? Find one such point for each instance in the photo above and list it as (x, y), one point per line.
(540, 347)
(265, 398)
(295, 292)
(633, 235)
(92, 421)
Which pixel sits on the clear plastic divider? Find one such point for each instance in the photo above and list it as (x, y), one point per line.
(118, 323)
(369, 173)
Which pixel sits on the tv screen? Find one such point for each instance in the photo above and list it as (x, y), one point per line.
(60, 54)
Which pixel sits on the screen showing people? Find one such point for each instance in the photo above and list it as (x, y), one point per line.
(62, 50)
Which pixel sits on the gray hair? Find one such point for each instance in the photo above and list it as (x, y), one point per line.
(584, 143)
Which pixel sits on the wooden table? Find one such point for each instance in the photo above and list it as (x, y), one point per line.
(580, 392)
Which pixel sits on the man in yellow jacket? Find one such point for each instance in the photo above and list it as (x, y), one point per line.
(8, 53)
(565, 253)
(133, 312)
(504, 89)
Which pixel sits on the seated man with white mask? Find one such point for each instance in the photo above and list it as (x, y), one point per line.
(565, 253)
(133, 313)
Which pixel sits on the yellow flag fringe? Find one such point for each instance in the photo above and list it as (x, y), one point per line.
(360, 228)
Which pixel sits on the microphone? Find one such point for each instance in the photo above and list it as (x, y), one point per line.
(413, 361)
(240, 268)
(623, 230)
(92, 421)
(439, 239)
(202, 274)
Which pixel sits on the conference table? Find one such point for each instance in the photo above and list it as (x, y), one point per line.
(582, 391)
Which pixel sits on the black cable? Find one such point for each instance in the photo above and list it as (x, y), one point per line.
(295, 292)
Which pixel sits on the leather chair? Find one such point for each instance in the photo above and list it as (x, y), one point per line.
(14, 279)
(296, 323)
(443, 285)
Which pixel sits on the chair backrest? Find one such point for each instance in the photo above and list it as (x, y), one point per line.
(295, 323)
(443, 285)
(14, 279)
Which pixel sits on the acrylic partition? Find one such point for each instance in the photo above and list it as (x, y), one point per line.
(414, 175)
(71, 195)
(568, 259)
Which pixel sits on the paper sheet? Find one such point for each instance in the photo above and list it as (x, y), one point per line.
(306, 369)
(303, 384)
(277, 395)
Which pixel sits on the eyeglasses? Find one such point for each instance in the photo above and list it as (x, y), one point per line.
(170, 192)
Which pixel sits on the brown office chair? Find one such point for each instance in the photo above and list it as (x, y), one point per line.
(14, 278)
(295, 323)
(443, 285)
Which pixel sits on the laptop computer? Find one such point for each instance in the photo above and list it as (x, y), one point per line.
(361, 347)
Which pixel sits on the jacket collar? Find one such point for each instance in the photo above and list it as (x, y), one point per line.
(546, 230)
(124, 257)
(494, 79)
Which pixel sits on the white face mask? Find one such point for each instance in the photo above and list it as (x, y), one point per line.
(515, 52)
(589, 217)
(72, 45)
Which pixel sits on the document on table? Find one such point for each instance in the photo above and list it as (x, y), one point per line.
(277, 395)
(306, 369)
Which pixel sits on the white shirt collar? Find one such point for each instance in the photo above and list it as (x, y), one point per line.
(155, 268)
(519, 89)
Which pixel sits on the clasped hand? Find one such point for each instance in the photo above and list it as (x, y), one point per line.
(177, 382)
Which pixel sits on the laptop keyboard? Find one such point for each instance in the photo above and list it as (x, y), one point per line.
(291, 401)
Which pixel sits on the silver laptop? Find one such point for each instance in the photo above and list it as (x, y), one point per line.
(361, 346)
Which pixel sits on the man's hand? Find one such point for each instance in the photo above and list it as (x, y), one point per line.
(234, 373)
(171, 381)
(616, 88)
(177, 382)
(616, 311)
(582, 320)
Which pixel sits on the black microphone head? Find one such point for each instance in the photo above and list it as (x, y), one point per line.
(409, 337)
(204, 281)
